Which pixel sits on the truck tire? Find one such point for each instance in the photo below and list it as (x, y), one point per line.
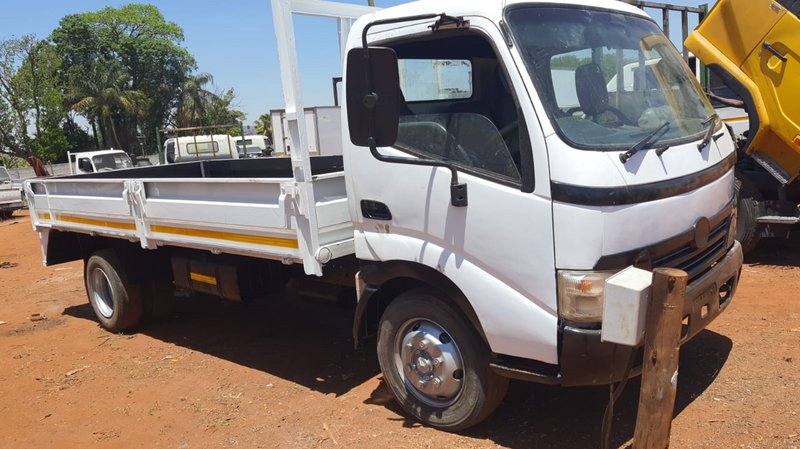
(435, 362)
(747, 198)
(116, 303)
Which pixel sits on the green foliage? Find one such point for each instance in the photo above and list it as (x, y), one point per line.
(264, 125)
(221, 111)
(123, 69)
(147, 50)
(193, 100)
(13, 162)
(102, 94)
(30, 99)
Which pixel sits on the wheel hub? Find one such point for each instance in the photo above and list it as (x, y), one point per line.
(433, 368)
(102, 293)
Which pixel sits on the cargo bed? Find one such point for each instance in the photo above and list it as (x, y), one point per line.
(250, 207)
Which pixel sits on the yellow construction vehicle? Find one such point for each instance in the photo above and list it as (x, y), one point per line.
(753, 48)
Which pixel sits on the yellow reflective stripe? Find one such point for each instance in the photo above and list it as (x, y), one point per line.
(203, 278)
(218, 235)
(93, 222)
(44, 216)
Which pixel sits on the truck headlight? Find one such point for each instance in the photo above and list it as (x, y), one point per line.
(581, 295)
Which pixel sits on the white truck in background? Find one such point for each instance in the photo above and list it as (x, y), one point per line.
(253, 146)
(324, 125)
(201, 147)
(11, 198)
(98, 161)
(477, 228)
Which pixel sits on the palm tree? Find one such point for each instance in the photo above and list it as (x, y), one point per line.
(103, 97)
(194, 100)
(263, 125)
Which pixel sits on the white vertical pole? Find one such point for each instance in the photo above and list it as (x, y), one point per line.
(304, 201)
(344, 31)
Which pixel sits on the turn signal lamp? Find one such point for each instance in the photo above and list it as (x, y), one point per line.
(581, 294)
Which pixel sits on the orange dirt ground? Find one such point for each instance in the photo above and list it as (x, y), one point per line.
(286, 374)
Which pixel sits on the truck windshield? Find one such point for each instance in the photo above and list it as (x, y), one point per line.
(107, 162)
(607, 79)
(4, 177)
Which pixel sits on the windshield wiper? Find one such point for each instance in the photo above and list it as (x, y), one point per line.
(707, 139)
(641, 144)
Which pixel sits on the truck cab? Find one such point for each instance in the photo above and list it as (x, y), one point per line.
(98, 161)
(559, 195)
(200, 148)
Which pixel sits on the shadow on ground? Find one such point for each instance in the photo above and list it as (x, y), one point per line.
(302, 341)
(777, 251)
(299, 340)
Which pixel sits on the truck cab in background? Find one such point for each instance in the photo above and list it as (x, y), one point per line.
(751, 47)
(200, 148)
(253, 146)
(98, 161)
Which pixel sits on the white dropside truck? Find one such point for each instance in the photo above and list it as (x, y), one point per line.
(475, 215)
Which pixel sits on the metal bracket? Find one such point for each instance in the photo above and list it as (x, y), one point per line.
(772, 167)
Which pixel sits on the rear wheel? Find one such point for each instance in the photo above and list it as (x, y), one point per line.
(435, 362)
(116, 303)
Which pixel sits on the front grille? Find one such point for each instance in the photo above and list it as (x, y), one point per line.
(677, 251)
(695, 261)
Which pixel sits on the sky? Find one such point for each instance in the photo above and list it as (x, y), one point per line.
(235, 41)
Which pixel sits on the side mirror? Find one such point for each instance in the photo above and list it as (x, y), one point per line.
(373, 86)
(85, 165)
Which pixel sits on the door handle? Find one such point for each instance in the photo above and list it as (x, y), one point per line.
(774, 52)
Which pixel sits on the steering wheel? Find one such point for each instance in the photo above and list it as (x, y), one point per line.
(625, 120)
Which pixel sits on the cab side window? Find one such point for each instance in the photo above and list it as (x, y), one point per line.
(456, 106)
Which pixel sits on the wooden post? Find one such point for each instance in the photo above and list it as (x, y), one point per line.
(661, 349)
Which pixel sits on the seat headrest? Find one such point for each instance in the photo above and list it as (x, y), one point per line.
(590, 85)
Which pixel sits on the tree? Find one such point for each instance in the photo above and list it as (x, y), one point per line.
(147, 48)
(264, 125)
(103, 96)
(222, 111)
(194, 100)
(30, 99)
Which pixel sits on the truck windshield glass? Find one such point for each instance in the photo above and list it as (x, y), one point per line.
(608, 79)
(107, 162)
(4, 177)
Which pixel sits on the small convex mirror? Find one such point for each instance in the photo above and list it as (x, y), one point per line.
(379, 103)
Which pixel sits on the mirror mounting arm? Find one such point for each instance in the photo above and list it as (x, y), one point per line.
(458, 190)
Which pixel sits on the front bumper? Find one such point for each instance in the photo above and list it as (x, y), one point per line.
(585, 360)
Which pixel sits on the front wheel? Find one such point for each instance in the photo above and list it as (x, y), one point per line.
(435, 362)
(747, 197)
(116, 303)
